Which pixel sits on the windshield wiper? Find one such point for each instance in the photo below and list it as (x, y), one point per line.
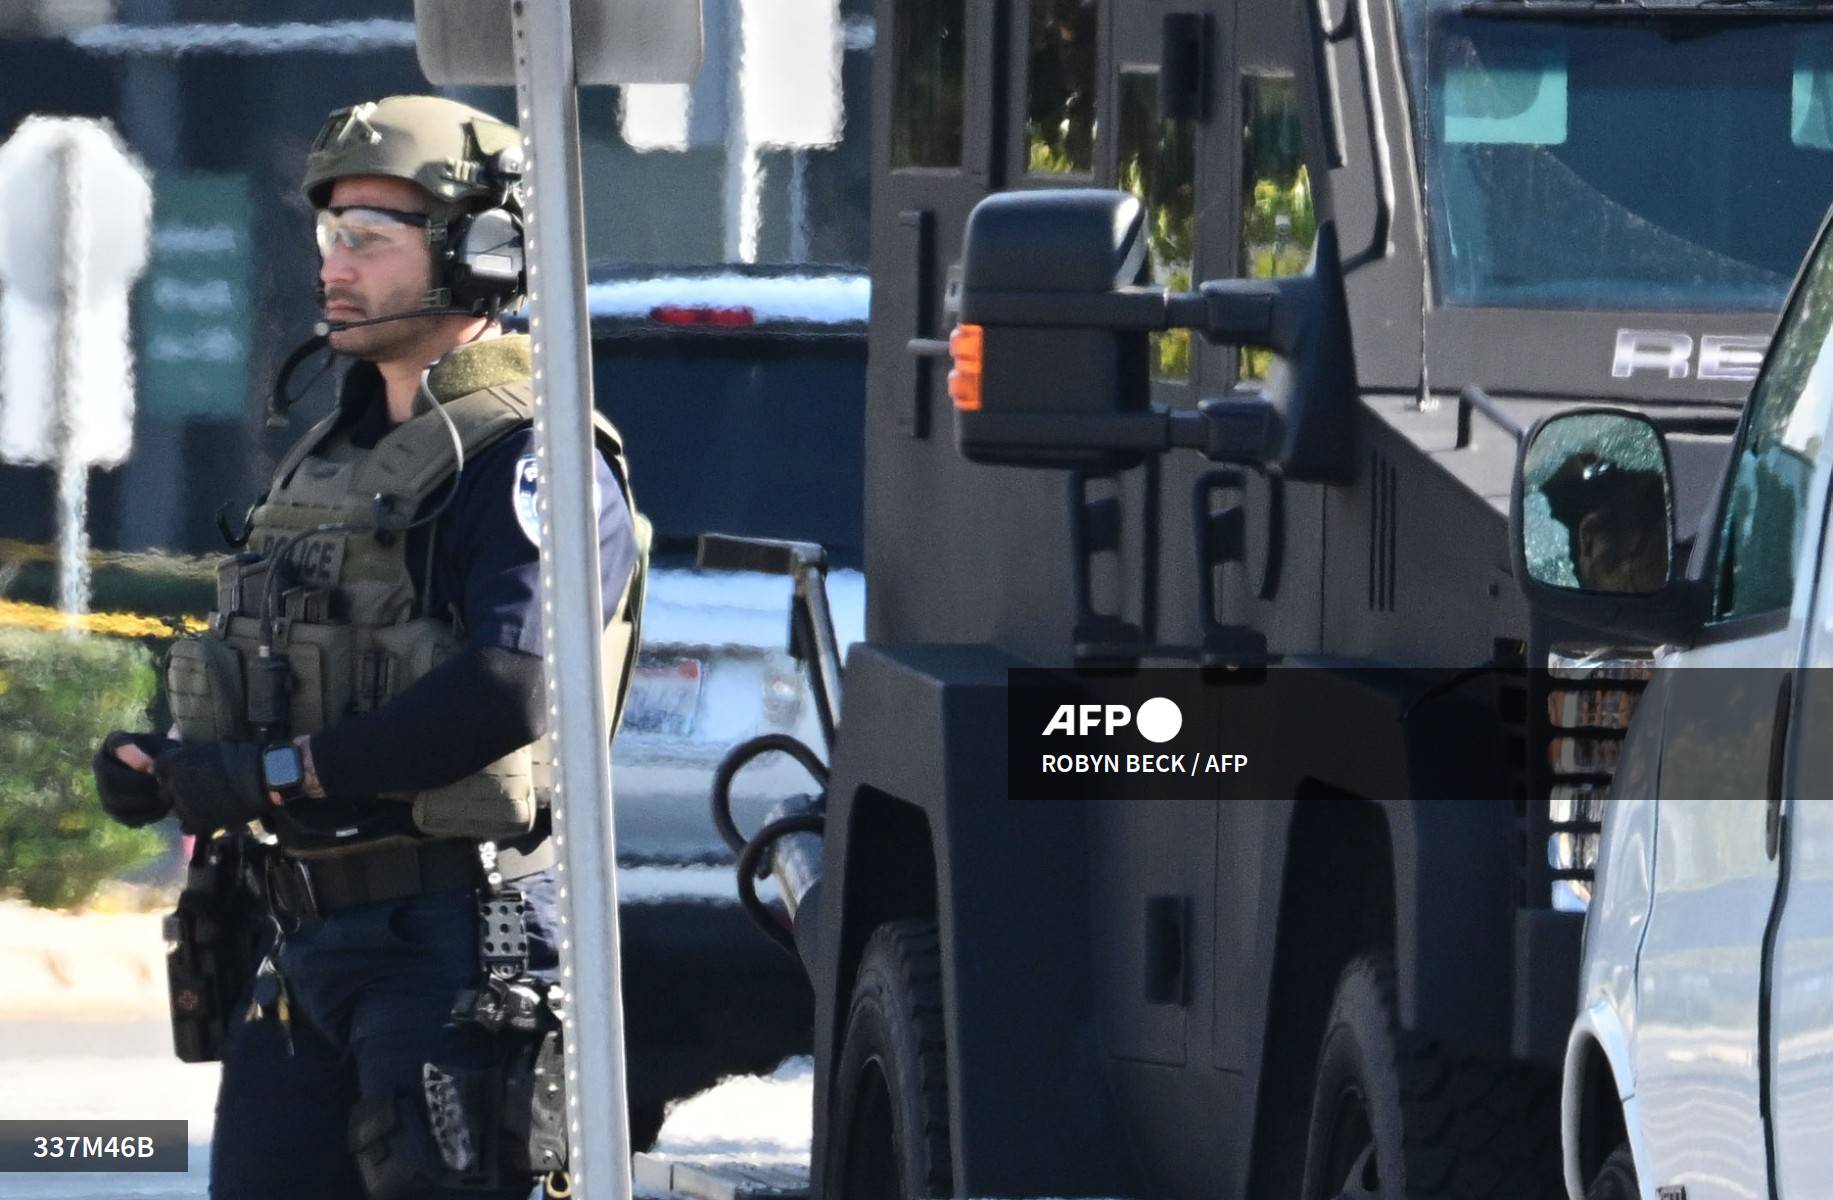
(1640, 10)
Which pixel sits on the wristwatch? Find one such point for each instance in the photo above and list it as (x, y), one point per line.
(283, 771)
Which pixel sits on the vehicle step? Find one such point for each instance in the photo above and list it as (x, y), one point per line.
(719, 1177)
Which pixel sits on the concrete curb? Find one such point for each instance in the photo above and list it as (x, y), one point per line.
(80, 966)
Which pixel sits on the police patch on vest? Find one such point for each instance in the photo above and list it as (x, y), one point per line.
(527, 485)
(316, 560)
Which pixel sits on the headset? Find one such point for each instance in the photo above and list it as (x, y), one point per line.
(479, 256)
(479, 268)
(479, 261)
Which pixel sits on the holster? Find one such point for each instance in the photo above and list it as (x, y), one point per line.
(211, 943)
(534, 1105)
(528, 1086)
(478, 1129)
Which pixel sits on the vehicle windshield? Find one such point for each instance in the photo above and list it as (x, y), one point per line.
(1642, 163)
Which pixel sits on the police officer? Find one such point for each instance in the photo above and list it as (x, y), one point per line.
(370, 689)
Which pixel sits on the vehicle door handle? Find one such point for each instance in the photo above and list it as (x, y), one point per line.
(1167, 949)
(916, 230)
(1778, 758)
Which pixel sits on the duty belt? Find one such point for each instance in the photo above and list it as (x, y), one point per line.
(306, 890)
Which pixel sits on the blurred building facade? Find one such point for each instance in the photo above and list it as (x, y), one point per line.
(219, 99)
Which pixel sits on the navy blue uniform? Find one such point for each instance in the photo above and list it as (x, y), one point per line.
(485, 559)
(371, 991)
(371, 987)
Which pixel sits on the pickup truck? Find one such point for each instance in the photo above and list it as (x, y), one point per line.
(740, 394)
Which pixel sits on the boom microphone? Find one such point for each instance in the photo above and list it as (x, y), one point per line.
(327, 328)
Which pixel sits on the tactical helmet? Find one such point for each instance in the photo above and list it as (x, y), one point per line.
(465, 159)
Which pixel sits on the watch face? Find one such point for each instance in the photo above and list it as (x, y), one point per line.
(280, 767)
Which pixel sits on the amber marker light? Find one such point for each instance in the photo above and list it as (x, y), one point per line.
(964, 346)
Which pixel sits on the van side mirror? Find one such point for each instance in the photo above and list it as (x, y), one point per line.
(1051, 354)
(1593, 522)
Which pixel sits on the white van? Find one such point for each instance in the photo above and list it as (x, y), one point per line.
(1701, 1061)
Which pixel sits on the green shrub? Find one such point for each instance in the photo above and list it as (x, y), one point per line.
(59, 694)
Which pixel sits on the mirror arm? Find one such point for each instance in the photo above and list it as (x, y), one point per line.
(1238, 429)
(1148, 432)
(1232, 312)
(1130, 309)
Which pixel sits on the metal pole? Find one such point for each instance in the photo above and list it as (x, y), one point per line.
(799, 232)
(743, 178)
(547, 100)
(72, 471)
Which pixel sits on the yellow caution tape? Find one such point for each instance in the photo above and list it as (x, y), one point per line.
(147, 562)
(50, 620)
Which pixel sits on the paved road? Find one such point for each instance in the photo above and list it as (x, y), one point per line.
(99, 1070)
(104, 1071)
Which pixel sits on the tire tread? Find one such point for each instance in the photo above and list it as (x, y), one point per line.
(1474, 1128)
(898, 995)
(915, 945)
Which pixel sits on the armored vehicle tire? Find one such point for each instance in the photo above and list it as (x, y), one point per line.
(1616, 1179)
(1396, 1116)
(889, 1137)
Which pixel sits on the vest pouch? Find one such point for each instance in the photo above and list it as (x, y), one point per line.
(319, 659)
(324, 689)
(497, 802)
(203, 679)
(400, 654)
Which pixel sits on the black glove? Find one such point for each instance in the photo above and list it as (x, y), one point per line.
(213, 785)
(129, 796)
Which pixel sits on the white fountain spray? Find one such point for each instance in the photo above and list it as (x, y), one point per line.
(73, 238)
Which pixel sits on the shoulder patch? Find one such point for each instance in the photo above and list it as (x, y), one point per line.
(527, 495)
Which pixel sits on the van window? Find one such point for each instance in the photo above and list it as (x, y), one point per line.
(1278, 222)
(1158, 164)
(926, 101)
(1772, 492)
(1060, 88)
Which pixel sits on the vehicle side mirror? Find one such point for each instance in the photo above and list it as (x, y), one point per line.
(1053, 333)
(1593, 522)
(1051, 360)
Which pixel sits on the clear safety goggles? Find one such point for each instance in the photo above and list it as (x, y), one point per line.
(364, 230)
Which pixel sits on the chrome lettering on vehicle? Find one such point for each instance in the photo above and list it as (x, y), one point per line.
(1725, 357)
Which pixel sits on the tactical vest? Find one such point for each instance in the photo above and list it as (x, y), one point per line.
(324, 584)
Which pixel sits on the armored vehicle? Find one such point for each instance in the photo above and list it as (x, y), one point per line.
(1251, 305)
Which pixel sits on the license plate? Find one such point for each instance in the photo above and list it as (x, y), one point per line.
(664, 696)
